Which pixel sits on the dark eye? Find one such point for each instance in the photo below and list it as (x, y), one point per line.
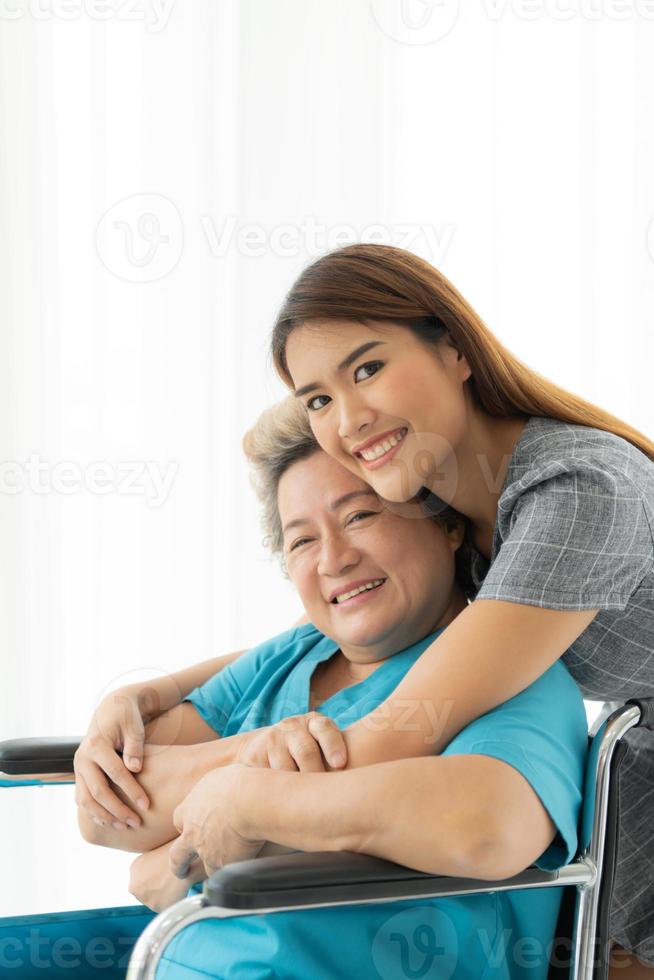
(311, 403)
(370, 368)
(300, 541)
(360, 514)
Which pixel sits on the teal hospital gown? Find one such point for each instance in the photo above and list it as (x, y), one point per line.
(541, 732)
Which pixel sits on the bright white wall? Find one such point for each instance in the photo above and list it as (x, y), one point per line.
(164, 175)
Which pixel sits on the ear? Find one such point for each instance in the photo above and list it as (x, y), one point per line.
(455, 532)
(463, 368)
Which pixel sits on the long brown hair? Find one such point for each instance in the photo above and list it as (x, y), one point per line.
(381, 282)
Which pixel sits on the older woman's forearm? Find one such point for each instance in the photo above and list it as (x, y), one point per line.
(169, 773)
(441, 815)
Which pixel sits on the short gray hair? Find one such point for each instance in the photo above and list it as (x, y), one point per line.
(280, 437)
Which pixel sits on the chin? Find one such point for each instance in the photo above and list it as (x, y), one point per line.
(393, 490)
(364, 636)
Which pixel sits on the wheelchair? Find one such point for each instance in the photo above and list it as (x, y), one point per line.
(299, 880)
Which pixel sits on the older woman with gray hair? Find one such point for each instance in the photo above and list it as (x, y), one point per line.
(233, 769)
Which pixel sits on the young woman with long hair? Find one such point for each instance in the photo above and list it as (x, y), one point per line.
(407, 387)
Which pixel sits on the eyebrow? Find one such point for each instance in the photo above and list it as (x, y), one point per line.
(345, 363)
(334, 506)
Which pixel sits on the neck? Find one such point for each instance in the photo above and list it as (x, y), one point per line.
(477, 469)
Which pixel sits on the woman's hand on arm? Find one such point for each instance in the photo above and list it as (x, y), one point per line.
(304, 743)
(170, 771)
(123, 721)
(490, 652)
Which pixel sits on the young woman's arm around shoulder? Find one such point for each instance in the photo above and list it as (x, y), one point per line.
(490, 652)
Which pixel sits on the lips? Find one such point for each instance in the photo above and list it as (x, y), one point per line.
(378, 440)
(351, 589)
(381, 452)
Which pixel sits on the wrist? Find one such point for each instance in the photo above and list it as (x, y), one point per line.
(298, 810)
(256, 801)
(206, 756)
(293, 809)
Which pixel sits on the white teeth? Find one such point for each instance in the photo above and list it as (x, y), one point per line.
(383, 447)
(362, 588)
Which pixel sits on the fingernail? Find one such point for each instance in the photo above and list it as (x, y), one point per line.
(132, 823)
(142, 804)
(338, 759)
(99, 822)
(134, 763)
(117, 825)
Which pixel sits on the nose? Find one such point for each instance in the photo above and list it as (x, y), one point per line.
(354, 416)
(337, 555)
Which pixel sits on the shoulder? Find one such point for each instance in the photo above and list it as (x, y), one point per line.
(550, 712)
(575, 521)
(552, 696)
(548, 447)
(578, 470)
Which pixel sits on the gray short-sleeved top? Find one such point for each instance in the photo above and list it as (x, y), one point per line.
(575, 530)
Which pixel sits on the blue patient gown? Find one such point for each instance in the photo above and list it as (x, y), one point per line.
(541, 732)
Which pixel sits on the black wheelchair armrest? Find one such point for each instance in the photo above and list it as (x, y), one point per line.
(328, 877)
(646, 706)
(28, 756)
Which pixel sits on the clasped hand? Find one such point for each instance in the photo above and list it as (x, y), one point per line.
(216, 818)
(213, 822)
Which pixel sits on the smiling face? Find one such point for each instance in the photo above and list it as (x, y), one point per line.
(386, 405)
(371, 579)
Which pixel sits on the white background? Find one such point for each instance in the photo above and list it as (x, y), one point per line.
(165, 173)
